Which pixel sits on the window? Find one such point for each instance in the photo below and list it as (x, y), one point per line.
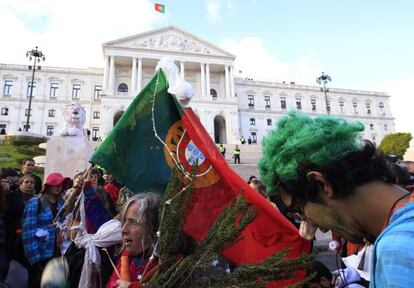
(96, 114)
(381, 107)
(267, 101)
(385, 127)
(97, 92)
(122, 87)
(52, 113)
(355, 105)
(95, 133)
(4, 111)
(269, 122)
(368, 106)
(313, 104)
(328, 105)
(341, 106)
(53, 89)
(250, 99)
(371, 127)
(26, 112)
(213, 93)
(31, 86)
(76, 91)
(298, 103)
(252, 121)
(253, 135)
(3, 128)
(49, 130)
(8, 85)
(283, 103)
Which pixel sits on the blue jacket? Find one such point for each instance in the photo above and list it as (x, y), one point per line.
(393, 254)
(35, 218)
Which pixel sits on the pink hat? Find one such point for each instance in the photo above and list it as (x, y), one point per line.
(55, 179)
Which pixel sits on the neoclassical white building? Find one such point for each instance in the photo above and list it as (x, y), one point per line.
(228, 106)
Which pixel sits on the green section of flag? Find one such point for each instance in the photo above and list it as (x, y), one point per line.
(131, 152)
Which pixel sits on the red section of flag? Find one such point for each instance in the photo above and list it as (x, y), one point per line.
(159, 7)
(269, 233)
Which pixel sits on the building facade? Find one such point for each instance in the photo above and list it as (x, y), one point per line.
(228, 106)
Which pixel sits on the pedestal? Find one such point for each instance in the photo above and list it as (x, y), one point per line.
(67, 155)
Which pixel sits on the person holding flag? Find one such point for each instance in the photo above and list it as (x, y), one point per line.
(139, 226)
(160, 133)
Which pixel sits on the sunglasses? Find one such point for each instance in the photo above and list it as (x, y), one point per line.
(295, 209)
(297, 216)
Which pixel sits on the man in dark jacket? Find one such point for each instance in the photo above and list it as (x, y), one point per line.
(28, 166)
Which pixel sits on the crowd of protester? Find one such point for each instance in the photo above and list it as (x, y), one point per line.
(31, 236)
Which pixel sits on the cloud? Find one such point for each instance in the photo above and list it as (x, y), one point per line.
(255, 61)
(215, 9)
(69, 35)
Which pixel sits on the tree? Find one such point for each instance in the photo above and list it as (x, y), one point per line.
(396, 144)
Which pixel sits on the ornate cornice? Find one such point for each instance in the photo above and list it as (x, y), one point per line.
(170, 39)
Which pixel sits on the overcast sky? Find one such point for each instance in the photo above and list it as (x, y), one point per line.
(365, 45)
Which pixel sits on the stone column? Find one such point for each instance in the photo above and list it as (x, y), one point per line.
(112, 73)
(182, 69)
(106, 72)
(231, 82)
(208, 80)
(139, 74)
(134, 75)
(203, 80)
(226, 80)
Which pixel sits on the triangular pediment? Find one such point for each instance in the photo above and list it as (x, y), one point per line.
(169, 39)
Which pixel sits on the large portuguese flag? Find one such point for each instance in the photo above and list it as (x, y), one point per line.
(155, 134)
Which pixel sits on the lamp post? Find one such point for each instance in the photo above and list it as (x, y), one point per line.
(323, 79)
(37, 56)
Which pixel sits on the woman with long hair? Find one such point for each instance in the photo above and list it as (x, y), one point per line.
(139, 222)
(39, 233)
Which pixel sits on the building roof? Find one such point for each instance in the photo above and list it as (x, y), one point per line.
(169, 39)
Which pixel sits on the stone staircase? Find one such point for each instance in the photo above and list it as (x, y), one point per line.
(249, 157)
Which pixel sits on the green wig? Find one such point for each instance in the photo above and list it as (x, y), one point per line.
(299, 139)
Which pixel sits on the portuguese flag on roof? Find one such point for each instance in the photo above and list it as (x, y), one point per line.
(155, 134)
(159, 7)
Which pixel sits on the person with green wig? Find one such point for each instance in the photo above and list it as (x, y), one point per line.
(330, 178)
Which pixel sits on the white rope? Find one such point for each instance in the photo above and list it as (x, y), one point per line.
(177, 164)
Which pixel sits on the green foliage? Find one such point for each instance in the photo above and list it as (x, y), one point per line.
(30, 150)
(171, 219)
(19, 140)
(12, 156)
(186, 264)
(396, 144)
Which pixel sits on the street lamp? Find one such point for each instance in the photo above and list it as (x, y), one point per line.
(323, 79)
(36, 56)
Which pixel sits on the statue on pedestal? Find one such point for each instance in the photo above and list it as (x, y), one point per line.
(69, 152)
(75, 119)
